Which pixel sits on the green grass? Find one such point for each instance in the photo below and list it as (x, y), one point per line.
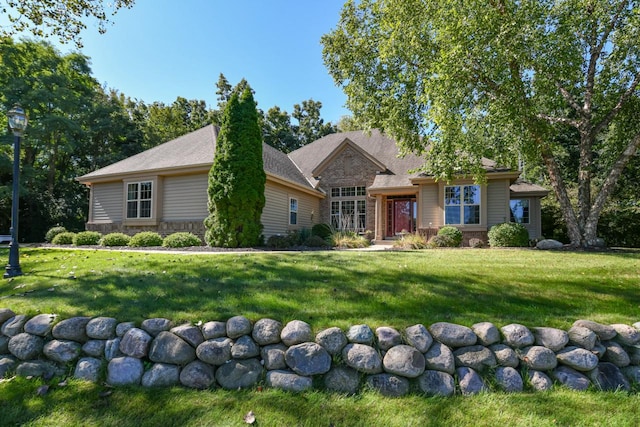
(327, 288)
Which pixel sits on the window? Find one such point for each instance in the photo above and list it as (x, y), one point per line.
(462, 204)
(139, 199)
(349, 215)
(293, 211)
(520, 211)
(348, 191)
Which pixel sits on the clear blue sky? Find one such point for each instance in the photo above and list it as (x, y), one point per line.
(162, 49)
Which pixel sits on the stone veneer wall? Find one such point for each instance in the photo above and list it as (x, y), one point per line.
(164, 228)
(442, 359)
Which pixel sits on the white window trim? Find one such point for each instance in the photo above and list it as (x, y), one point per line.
(153, 219)
(292, 211)
(528, 208)
(462, 205)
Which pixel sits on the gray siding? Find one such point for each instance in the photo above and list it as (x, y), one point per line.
(275, 215)
(497, 202)
(185, 198)
(107, 203)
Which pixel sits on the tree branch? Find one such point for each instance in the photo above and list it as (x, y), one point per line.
(554, 120)
(614, 111)
(570, 99)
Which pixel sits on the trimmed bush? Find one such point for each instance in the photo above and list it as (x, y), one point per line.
(181, 240)
(53, 232)
(453, 233)
(87, 238)
(65, 238)
(411, 241)
(321, 230)
(315, 242)
(146, 238)
(508, 234)
(278, 241)
(441, 241)
(115, 239)
(349, 239)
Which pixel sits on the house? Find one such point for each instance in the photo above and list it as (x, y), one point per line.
(350, 180)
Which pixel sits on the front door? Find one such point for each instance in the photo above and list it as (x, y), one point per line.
(401, 216)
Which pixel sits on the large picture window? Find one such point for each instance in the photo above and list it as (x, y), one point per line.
(462, 204)
(349, 214)
(139, 196)
(520, 211)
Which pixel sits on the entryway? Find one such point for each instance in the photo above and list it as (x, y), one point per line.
(401, 216)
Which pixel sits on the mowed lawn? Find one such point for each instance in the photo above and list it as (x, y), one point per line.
(324, 288)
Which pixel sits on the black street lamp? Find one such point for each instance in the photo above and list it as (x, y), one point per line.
(17, 124)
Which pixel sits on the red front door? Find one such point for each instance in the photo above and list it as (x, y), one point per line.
(401, 216)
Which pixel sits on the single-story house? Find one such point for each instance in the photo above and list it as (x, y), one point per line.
(350, 180)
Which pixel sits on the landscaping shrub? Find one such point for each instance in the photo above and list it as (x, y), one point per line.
(181, 240)
(65, 238)
(278, 241)
(441, 241)
(53, 232)
(476, 243)
(146, 238)
(349, 239)
(315, 242)
(508, 234)
(87, 238)
(115, 239)
(453, 233)
(411, 241)
(321, 230)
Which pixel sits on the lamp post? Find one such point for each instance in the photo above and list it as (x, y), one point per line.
(17, 124)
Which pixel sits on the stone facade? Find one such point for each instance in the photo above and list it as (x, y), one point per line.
(163, 228)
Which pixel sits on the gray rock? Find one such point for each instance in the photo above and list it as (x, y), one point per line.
(477, 357)
(239, 374)
(610, 378)
(631, 372)
(552, 338)
(419, 337)
(40, 325)
(570, 378)
(505, 355)
(198, 375)
(509, 380)
(135, 343)
(14, 325)
(25, 346)
(73, 329)
(627, 335)
(342, 379)
(273, 356)
(238, 326)
(538, 358)
(190, 333)
(40, 368)
(598, 349)
(296, 332)
(439, 357)
(604, 332)
(580, 336)
(360, 334)
(404, 360)
(62, 351)
(4, 344)
(517, 336)
(539, 381)
(289, 381)
(267, 331)
(308, 359)
(124, 371)
(161, 375)
(333, 340)
(88, 369)
(632, 351)
(7, 365)
(94, 348)
(487, 333)
(5, 314)
(123, 327)
(169, 348)
(362, 358)
(453, 335)
(102, 328)
(156, 325)
(388, 384)
(387, 337)
(615, 354)
(112, 349)
(216, 351)
(546, 244)
(577, 358)
(211, 330)
(244, 348)
(469, 381)
(437, 383)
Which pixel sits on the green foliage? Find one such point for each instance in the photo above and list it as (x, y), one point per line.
(411, 241)
(441, 241)
(146, 238)
(237, 178)
(53, 232)
(348, 240)
(321, 230)
(508, 234)
(65, 238)
(278, 241)
(453, 233)
(181, 240)
(115, 239)
(315, 242)
(87, 238)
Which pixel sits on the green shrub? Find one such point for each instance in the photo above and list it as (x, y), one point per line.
(321, 230)
(349, 239)
(278, 241)
(181, 240)
(146, 238)
(411, 241)
(315, 242)
(115, 239)
(441, 241)
(65, 238)
(508, 234)
(87, 238)
(453, 233)
(53, 232)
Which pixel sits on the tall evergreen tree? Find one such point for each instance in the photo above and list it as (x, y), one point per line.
(237, 178)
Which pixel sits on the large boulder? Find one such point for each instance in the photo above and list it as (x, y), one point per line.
(214, 329)
(267, 331)
(88, 369)
(296, 332)
(509, 380)
(13, 325)
(342, 379)
(161, 375)
(7, 365)
(577, 358)
(469, 381)
(198, 375)
(387, 337)
(571, 378)
(40, 368)
(26, 346)
(604, 332)
(453, 335)
(112, 349)
(135, 343)
(362, 358)
(216, 351)
(124, 371)
(610, 378)
(156, 325)
(477, 357)
(579, 336)
(73, 329)
(123, 327)
(437, 383)
(308, 359)
(487, 333)
(626, 335)
(170, 348)
(62, 351)
(419, 337)
(505, 355)
(615, 354)
(332, 339)
(273, 356)
(552, 338)
(239, 374)
(404, 360)
(238, 326)
(517, 336)
(94, 348)
(538, 358)
(288, 381)
(5, 314)
(388, 384)
(102, 328)
(191, 334)
(360, 334)
(245, 348)
(547, 244)
(439, 357)
(539, 381)
(40, 325)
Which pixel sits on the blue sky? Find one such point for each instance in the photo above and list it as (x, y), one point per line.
(162, 49)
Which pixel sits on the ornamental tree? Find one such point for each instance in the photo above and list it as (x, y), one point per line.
(458, 80)
(237, 178)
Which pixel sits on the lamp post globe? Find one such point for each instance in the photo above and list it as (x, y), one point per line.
(17, 123)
